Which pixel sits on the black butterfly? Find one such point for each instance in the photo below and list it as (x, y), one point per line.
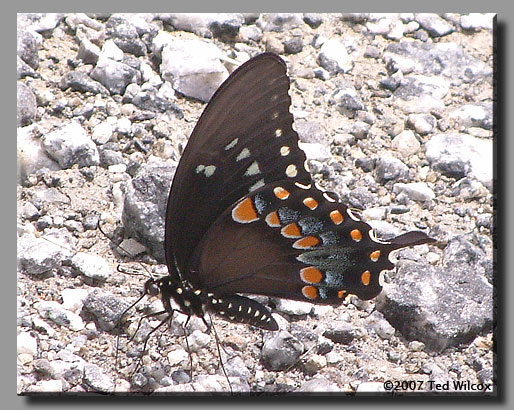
(244, 216)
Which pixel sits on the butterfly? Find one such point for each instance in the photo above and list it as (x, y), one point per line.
(245, 217)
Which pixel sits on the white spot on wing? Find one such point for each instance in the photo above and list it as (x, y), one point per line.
(253, 169)
(284, 151)
(208, 170)
(278, 132)
(231, 144)
(245, 153)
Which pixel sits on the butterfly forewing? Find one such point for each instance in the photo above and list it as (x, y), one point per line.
(243, 141)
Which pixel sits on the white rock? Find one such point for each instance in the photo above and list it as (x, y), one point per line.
(417, 191)
(102, 132)
(193, 68)
(406, 143)
(31, 155)
(91, 266)
(334, 57)
(71, 145)
(112, 51)
(58, 314)
(73, 299)
(26, 344)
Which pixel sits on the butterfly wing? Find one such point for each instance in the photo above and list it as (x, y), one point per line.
(295, 242)
(243, 140)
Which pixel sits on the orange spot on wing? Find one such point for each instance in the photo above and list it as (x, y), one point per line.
(310, 292)
(311, 275)
(310, 202)
(291, 231)
(244, 212)
(356, 235)
(366, 277)
(336, 217)
(307, 242)
(272, 219)
(374, 256)
(340, 294)
(281, 193)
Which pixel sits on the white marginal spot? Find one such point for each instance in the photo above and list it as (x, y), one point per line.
(257, 185)
(229, 305)
(352, 215)
(179, 291)
(274, 116)
(278, 132)
(285, 151)
(253, 169)
(231, 317)
(257, 313)
(197, 292)
(231, 144)
(302, 186)
(249, 309)
(187, 303)
(239, 308)
(373, 236)
(263, 317)
(328, 197)
(291, 171)
(245, 153)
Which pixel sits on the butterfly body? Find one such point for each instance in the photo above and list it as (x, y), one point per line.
(244, 216)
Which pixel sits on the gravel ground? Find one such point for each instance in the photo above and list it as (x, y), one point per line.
(357, 108)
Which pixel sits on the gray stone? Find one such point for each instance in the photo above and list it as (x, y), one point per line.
(193, 68)
(26, 106)
(96, 380)
(88, 52)
(434, 24)
(416, 191)
(460, 155)
(281, 350)
(106, 308)
(343, 332)
(474, 115)
(27, 48)
(91, 266)
(80, 81)
(280, 22)
(441, 306)
(23, 69)
(71, 145)
(125, 35)
(441, 59)
(250, 33)
(59, 315)
(406, 144)
(38, 256)
(114, 75)
(205, 24)
(144, 208)
(390, 168)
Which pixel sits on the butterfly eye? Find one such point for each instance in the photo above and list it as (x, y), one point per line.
(151, 288)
